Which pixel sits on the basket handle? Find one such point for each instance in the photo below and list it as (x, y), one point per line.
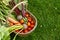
(17, 10)
(16, 6)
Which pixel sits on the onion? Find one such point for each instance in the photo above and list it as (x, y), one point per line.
(19, 17)
(25, 26)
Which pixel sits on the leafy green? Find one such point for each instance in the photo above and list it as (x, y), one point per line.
(1, 17)
(13, 15)
(4, 10)
(5, 32)
(6, 2)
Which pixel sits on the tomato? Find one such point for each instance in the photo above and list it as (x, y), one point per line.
(27, 15)
(29, 19)
(17, 30)
(32, 26)
(28, 23)
(29, 28)
(25, 30)
(32, 22)
(21, 21)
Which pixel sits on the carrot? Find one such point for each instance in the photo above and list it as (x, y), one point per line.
(12, 20)
(11, 24)
(17, 24)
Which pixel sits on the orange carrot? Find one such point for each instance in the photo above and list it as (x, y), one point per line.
(12, 20)
(11, 24)
(17, 24)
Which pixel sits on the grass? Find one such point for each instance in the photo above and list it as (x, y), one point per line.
(47, 13)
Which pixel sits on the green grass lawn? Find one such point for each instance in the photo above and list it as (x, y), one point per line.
(47, 13)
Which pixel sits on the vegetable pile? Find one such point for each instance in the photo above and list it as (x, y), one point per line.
(27, 22)
(13, 22)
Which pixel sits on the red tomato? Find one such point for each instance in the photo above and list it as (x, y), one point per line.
(29, 28)
(32, 26)
(32, 22)
(29, 19)
(17, 30)
(25, 30)
(28, 23)
(27, 15)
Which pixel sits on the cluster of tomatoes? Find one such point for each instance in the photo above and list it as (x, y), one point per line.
(30, 23)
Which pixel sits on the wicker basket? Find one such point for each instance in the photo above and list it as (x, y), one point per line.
(34, 18)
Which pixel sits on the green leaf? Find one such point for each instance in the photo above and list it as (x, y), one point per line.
(5, 32)
(2, 17)
(6, 2)
(14, 27)
(2, 28)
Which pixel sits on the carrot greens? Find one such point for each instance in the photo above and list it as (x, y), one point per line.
(5, 31)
